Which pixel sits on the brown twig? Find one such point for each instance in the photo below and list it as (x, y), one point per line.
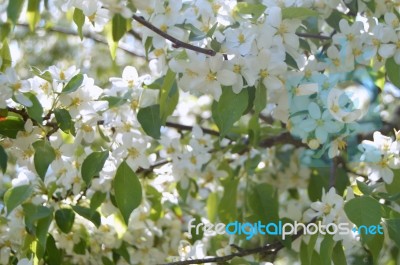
(241, 252)
(189, 128)
(313, 36)
(177, 43)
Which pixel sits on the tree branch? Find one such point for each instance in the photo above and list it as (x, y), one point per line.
(189, 128)
(241, 252)
(177, 43)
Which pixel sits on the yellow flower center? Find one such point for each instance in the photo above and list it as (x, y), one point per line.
(237, 68)
(133, 152)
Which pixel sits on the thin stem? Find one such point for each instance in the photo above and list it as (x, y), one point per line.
(189, 128)
(177, 43)
(313, 36)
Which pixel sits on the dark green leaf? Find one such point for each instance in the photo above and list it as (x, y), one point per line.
(53, 255)
(65, 219)
(128, 190)
(89, 214)
(79, 19)
(64, 120)
(16, 196)
(80, 248)
(149, 118)
(3, 159)
(14, 9)
(229, 109)
(92, 165)
(44, 155)
(118, 27)
(73, 84)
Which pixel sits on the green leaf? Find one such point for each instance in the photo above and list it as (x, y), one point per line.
(14, 9)
(356, 211)
(64, 120)
(33, 13)
(370, 4)
(364, 188)
(92, 165)
(65, 219)
(44, 75)
(10, 126)
(229, 109)
(338, 256)
(16, 196)
(5, 56)
(53, 255)
(298, 13)
(260, 99)
(80, 248)
(334, 19)
(227, 210)
(149, 118)
(42, 230)
(375, 246)
(326, 249)
(89, 214)
(393, 226)
(319, 181)
(73, 84)
(256, 10)
(393, 71)
(5, 29)
(44, 155)
(97, 199)
(36, 110)
(3, 159)
(263, 203)
(79, 20)
(291, 61)
(212, 206)
(35, 212)
(169, 95)
(128, 190)
(118, 27)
